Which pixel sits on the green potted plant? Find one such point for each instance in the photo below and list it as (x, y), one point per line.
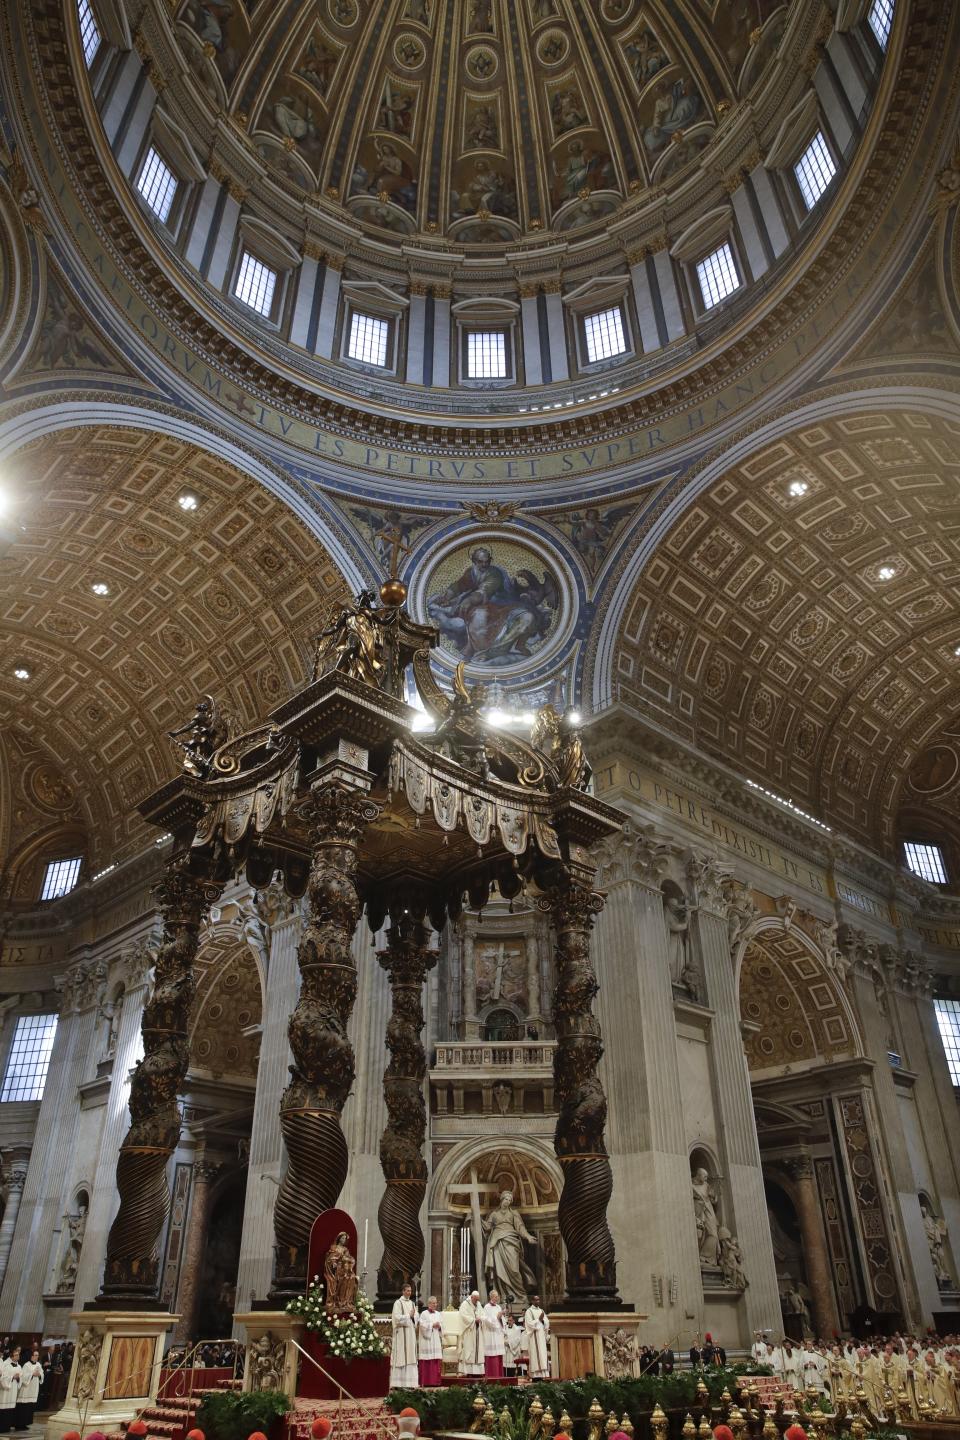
(234, 1415)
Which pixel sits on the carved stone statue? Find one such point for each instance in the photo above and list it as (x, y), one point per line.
(76, 1227)
(339, 1278)
(200, 736)
(936, 1233)
(793, 1303)
(731, 1260)
(705, 1201)
(619, 1355)
(88, 1363)
(266, 1363)
(111, 1010)
(503, 1258)
(677, 921)
(353, 642)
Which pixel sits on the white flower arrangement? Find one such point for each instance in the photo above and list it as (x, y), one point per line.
(352, 1336)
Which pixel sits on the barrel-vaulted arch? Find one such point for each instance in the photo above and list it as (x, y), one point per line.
(796, 611)
(223, 599)
(796, 1014)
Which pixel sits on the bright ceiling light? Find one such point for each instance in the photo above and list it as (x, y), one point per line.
(100, 587)
(574, 717)
(21, 672)
(886, 572)
(798, 488)
(957, 652)
(187, 501)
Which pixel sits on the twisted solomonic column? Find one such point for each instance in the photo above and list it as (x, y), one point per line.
(132, 1264)
(323, 1062)
(407, 959)
(579, 1136)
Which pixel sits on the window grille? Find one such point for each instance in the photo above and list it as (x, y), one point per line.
(157, 184)
(29, 1058)
(718, 276)
(89, 31)
(256, 283)
(948, 1019)
(486, 355)
(604, 334)
(60, 877)
(926, 861)
(880, 20)
(368, 339)
(814, 170)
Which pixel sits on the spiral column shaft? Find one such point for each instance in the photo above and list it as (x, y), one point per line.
(323, 1061)
(407, 959)
(132, 1263)
(579, 1136)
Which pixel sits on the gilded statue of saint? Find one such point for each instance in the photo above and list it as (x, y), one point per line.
(353, 642)
(340, 1277)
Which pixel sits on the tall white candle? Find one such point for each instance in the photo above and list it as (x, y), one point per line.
(366, 1227)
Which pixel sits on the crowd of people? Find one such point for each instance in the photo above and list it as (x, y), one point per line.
(491, 1342)
(923, 1369)
(211, 1355)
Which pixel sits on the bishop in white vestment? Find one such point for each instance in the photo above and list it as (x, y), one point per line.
(493, 1344)
(471, 1336)
(431, 1344)
(403, 1351)
(537, 1326)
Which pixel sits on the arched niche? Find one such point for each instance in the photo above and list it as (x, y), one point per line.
(227, 1010)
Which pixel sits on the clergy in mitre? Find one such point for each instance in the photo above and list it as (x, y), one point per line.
(431, 1344)
(471, 1336)
(537, 1326)
(403, 1351)
(493, 1341)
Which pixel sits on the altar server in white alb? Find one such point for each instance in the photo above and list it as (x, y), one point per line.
(31, 1378)
(9, 1385)
(403, 1352)
(493, 1343)
(431, 1344)
(471, 1336)
(537, 1326)
(513, 1338)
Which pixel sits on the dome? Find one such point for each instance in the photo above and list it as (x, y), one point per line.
(482, 121)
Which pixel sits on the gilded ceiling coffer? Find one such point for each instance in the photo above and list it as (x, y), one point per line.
(336, 793)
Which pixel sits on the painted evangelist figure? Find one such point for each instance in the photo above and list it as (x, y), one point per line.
(490, 613)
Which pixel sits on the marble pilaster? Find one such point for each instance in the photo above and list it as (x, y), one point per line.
(266, 1145)
(471, 1021)
(15, 1176)
(734, 1101)
(658, 1263)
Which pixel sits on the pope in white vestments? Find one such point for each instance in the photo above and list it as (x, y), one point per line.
(537, 1326)
(431, 1344)
(493, 1342)
(471, 1336)
(403, 1351)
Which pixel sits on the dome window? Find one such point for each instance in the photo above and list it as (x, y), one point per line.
(814, 170)
(369, 339)
(89, 31)
(255, 284)
(880, 20)
(157, 185)
(948, 1023)
(717, 275)
(486, 355)
(926, 861)
(603, 334)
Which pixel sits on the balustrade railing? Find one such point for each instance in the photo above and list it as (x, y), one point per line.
(496, 1054)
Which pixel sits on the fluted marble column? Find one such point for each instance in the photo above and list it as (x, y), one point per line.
(137, 966)
(647, 1133)
(132, 1264)
(471, 1021)
(816, 1261)
(281, 988)
(579, 1137)
(188, 1297)
(407, 959)
(71, 1063)
(734, 1099)
(15, 1177)
(324, 1065)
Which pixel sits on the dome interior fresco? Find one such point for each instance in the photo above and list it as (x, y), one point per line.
(764, 632)
(481, 119)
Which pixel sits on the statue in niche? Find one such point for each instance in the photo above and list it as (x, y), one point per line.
(503, 1259)
(705, 1202)
(677, 918)
(731, 1260)
(110, 1011)
(340, 1278)
(793, 1303)
(76, 1229)
(936, 1233)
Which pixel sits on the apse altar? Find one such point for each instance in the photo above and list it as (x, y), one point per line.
(336, 794)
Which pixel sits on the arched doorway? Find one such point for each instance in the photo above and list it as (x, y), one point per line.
(221, 1257)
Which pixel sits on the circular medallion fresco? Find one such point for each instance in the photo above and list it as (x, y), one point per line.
(497, 602)
(936, 770)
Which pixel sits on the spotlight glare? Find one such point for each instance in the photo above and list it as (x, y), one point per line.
(100, 587)
(21, 672)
